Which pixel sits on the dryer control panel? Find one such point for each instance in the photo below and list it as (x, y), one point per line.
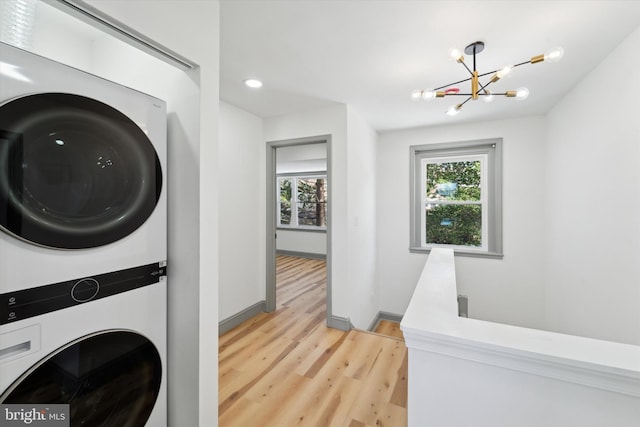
(20, 305)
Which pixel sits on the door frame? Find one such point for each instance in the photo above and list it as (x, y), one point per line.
(271, 230)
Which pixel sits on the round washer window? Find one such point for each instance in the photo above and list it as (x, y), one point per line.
(111, 378)
(75, 173)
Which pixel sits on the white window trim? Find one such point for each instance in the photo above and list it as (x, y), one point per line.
(490, 150)
(294, 200)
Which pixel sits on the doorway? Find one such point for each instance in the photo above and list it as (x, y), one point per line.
(291, 216)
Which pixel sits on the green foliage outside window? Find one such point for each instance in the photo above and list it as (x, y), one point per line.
(454, 225)
(449, 220)
(285, 201)
(465, 174)
(312, 195)
(310, 202)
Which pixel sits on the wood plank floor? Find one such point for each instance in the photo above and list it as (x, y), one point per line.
(392, 329)
(288, 369)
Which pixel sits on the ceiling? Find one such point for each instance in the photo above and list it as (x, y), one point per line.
(372, 54)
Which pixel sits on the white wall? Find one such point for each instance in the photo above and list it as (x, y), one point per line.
(453, 391)
(361, 220)
(304, 242)
(242, 210)
(193, 197)
(301, 158)
(327, 121)
(592, 207)
(352, 199)
(54, 36)
(352, 204)
(506, 291)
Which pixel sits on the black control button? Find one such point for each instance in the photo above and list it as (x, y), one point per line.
(85, 290)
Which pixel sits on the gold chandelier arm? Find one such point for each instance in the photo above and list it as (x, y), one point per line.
(537, 58)
(474, 85)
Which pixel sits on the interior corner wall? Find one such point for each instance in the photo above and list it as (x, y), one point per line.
(592, 203)
(242, 207)
(326, 121)
(193, 197)
(361, 220)
(508, 290)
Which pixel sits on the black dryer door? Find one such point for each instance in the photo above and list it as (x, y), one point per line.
(75, 173)
(108, 379)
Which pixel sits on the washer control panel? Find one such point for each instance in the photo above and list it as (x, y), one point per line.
(85, 290)
(32, 302)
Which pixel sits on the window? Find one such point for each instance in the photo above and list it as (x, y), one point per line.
(457, 197)
(302, 201)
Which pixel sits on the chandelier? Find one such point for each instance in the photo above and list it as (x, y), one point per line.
(478, 89)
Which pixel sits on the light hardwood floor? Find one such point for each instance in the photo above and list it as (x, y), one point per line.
(287, 368)
(392, 329)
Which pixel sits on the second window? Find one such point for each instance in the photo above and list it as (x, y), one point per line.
(302, 201)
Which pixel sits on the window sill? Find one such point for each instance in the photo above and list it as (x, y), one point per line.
(309, 230)
(461, 252)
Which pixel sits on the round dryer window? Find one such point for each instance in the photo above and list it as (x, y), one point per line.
(74, 172)
(107, 379)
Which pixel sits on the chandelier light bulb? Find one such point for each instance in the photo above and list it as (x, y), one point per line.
(488, 96)
(423, 94)
(416, 94)
(555, 54)
(456, 55)
(522, 93)
(504, 72)
(428, 94)
(454, 110)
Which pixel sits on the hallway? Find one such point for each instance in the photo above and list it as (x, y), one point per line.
(287, 368)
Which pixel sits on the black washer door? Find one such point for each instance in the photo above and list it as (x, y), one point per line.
(75, 173)
(108, 379)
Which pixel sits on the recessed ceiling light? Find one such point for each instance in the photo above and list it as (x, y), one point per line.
(253, 83)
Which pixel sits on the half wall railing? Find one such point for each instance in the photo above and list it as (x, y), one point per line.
(468, 372)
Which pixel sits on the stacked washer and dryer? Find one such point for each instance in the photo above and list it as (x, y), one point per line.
(82, 244)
